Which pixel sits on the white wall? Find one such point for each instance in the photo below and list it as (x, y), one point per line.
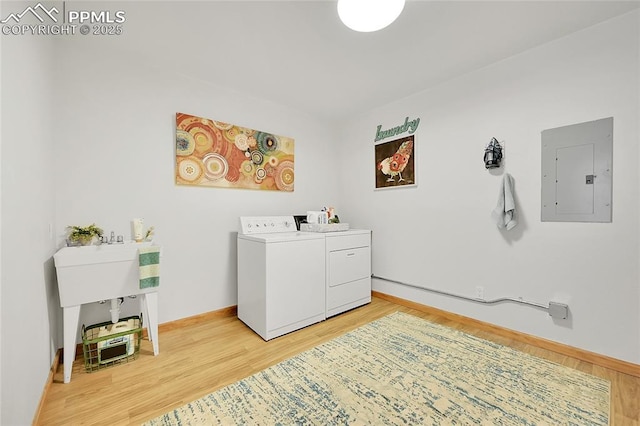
(30, 307)
(1, 363)
(440, 234)
(115, 157)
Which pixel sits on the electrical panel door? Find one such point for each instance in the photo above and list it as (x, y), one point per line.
(573, 194)
(576, 172)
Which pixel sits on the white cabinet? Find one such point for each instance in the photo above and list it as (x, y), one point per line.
(348, 270)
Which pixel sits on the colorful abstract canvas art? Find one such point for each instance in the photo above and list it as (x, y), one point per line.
(216, 154)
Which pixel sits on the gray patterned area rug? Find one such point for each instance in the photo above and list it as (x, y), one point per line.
(403, 370)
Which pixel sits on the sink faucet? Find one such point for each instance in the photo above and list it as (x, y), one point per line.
(112, 239)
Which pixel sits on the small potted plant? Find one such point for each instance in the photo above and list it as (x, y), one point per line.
(83, 235)
(149, 235)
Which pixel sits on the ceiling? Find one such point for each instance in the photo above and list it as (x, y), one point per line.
(298, 53)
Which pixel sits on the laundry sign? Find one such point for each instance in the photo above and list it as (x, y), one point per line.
(409, 126)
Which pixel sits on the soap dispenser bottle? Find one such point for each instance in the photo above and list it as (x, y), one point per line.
(138, 225)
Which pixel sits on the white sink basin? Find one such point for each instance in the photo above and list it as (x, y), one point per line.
(86, 255)
(100, 272)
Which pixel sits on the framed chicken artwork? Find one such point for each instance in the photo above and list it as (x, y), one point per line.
(395, 165)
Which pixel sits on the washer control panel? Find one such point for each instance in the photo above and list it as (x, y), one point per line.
(251, 225)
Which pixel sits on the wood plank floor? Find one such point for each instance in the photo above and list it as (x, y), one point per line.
(203, 357)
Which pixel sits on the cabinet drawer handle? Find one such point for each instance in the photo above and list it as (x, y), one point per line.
(350, 254)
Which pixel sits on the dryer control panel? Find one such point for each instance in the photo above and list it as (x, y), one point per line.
(251, 225)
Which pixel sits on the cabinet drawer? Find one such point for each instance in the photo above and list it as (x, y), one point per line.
(348, 295)
(349, 265)
(339, 242)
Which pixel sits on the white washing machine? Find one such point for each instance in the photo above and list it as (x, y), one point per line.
(281, 276)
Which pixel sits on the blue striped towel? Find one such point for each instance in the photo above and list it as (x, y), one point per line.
(149, 259)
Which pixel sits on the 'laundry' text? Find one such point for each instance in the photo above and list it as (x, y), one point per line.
(410, 126)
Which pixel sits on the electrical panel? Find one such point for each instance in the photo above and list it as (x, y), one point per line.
(577, 171)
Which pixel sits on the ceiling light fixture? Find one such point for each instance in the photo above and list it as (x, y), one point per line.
(369, 15)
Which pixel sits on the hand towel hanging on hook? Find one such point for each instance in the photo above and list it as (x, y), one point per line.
(505, 212)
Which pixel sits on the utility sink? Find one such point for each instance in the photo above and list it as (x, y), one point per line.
(85, 255)
(88, 274)
(98, 272)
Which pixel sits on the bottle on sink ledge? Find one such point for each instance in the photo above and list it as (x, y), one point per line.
(138, 225)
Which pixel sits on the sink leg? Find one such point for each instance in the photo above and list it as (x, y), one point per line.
(70, 320)
(150, 303)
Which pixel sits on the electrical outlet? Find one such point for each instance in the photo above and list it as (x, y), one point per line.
(480, 292)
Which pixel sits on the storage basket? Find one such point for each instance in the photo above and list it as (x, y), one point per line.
(107, 344)
(324, 227)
